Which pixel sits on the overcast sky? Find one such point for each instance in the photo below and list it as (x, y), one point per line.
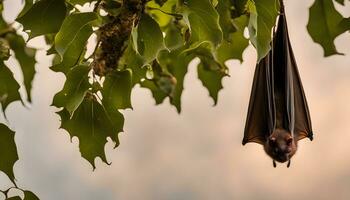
(196, 155)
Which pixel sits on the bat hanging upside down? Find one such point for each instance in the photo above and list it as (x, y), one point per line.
(280, 146)
(278, 114)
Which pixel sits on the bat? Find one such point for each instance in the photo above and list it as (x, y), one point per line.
(278, 114)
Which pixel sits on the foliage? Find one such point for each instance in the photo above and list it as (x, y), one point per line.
(145, 42)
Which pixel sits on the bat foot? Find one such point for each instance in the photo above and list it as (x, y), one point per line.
(288, 164)
(274, 164)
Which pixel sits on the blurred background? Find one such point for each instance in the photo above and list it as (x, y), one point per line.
(198, 154)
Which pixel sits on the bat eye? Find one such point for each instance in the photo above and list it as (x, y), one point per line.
(289, 141)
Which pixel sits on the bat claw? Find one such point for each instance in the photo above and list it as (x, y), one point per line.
(288, 164)
(274, 164)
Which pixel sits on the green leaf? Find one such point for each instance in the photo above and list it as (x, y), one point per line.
(3, 24)
(14, 198)
(203, 22)
(116, 90)
(177, 64)
(92, 125)
(234, 48)
(28, 195)
(162, 84)
(70, 41)
(340, 1)
(162, 14)
(132, 60)
(167, 84)
(71, 28)
(8, 87)
(74, 89)
(225, 19)
(8, 151)
(26, 58)
(80, 2)
(240, 7)
(157, 93)
(45, 16)
(149, 38)
(161, 2)
(113, 7)
(4, 49)
(173, 37)
(27, 5)
(211, 78)
(325, 24)
(263, 16)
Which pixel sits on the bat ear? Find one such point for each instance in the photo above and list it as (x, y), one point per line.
(272, 140)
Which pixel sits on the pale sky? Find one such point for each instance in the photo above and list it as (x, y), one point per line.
(198, 154)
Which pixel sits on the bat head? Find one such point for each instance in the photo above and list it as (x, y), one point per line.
(280, 145)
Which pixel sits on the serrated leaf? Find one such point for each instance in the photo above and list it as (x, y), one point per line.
(116, 90)
(71, 40)
(4, 49)
(225, 20)
(74, 89)
(113, 7)
(52, 50)
(27, 5)
(203, 22)
(162, 13)
(45, 16)
(92, 125)
(8, 87)
(80, 2)
(173, 37)
(263, 16)
(14, 198)
(210, 78)
(71, 28)
(3, 24)
(177, 64)
(234, 48)
(340, 1)
(28, 195)
(167, 84)
(157, 93)
(8, 151)
(56, 60)
(325, 24)
(26, 58)
(133, 61)
(161, 2)
(149, 38)
(239, 7)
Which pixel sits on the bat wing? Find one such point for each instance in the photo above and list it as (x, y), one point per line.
(297, 116)
(260, 118)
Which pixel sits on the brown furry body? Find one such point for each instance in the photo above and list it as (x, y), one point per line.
(280, 146)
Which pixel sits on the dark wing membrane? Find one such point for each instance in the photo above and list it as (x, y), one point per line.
(299, 111)
(302, 123)
(259, 120)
